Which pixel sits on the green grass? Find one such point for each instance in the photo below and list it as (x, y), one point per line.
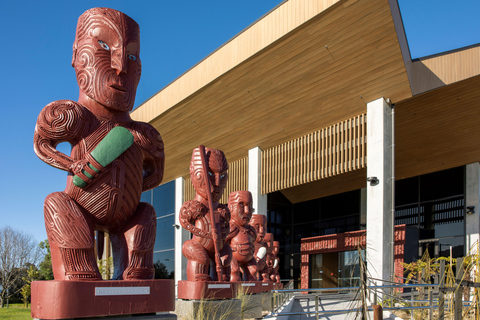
(15, 311)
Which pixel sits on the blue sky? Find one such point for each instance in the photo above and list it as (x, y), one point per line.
(37, 39)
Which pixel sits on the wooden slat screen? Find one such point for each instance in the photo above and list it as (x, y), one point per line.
(330, 151)
(237, 180)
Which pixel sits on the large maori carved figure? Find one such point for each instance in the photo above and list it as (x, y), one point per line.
(206, 218)
(113, 158)
(259, 222)
(242, 237)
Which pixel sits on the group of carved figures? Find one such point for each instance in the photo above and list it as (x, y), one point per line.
(229, 242)
(114, 159)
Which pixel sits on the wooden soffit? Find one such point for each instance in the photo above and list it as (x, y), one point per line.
(321, 72)
(439, 129)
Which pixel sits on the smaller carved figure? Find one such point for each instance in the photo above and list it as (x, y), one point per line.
(259, 222)
(269, 258)
(206, 218)
(242, 237)
(275, 276)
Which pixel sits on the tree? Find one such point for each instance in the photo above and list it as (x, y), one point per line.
(161, 271)
(17, 252)
(32, 274)
(46, 271)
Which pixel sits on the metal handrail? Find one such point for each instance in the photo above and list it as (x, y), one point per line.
(376, 288)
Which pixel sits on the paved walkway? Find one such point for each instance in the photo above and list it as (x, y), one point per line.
(330, 304)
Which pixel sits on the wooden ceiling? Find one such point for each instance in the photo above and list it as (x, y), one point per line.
(322, 72)
(439, 129)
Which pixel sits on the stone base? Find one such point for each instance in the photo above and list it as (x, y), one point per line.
(208, 309)
(59, 299)
(250, 287)
(267, 286)
(211, 290)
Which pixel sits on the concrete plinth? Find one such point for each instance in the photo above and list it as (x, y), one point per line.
(252, 306)
(76, 299)
(267, 301)
(208, 309)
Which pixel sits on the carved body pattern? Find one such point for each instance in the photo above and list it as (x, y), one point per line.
(242, 237)
(195, 217)
(110, 202)
(275, 275)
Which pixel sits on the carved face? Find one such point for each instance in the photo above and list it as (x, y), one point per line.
(276, 247)
(259, 222)
(217, 173)
(240, 205)
(106, 58)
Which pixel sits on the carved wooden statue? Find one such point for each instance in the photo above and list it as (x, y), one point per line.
(113, 158)
(259, 222)
(269, 258)
(242, 237)
(206, 218)
(275, 275)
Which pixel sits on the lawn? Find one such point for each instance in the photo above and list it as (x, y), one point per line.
(15, 311)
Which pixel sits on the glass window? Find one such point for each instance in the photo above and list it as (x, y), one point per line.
(164, 199)
(165, 233)
(164, 263)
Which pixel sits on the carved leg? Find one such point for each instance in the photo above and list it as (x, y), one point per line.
(70, 235)
(198, 261)
(235, 274)
(251, 270)
(133, 245)
(226, 259)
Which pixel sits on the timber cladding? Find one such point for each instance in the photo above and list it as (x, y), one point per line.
(334, 150)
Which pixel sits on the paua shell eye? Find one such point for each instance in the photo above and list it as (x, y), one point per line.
(132, 57)
(103, 45)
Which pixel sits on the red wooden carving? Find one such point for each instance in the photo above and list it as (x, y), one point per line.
(242, 237)
(107, 66)
(259, 222)
(195, 216)
(270, 258)
(275, 275)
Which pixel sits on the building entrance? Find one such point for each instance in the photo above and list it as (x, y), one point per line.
(334, 269)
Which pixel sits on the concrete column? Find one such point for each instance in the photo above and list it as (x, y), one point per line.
(255, 180)
(181, 235)
(379, 190)
(472, 199)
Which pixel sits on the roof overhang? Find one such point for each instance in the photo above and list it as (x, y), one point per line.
(315, 73)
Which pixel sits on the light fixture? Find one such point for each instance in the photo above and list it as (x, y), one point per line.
(176, 226)
(470, 210)
(373, 181)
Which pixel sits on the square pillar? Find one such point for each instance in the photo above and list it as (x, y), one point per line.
(380, 220)
(255, 180)
(472, 199)
(181, 235)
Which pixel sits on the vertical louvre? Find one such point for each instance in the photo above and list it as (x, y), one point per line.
(337, 149)
(237, 180)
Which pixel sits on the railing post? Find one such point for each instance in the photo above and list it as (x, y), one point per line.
(441, 294)
(375, 293)
(430, 298)
(411, 312)
(458, 291)
(316, 306)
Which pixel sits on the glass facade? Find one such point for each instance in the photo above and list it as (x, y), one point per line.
(162, 198)
(434, 204)
(290, 222)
